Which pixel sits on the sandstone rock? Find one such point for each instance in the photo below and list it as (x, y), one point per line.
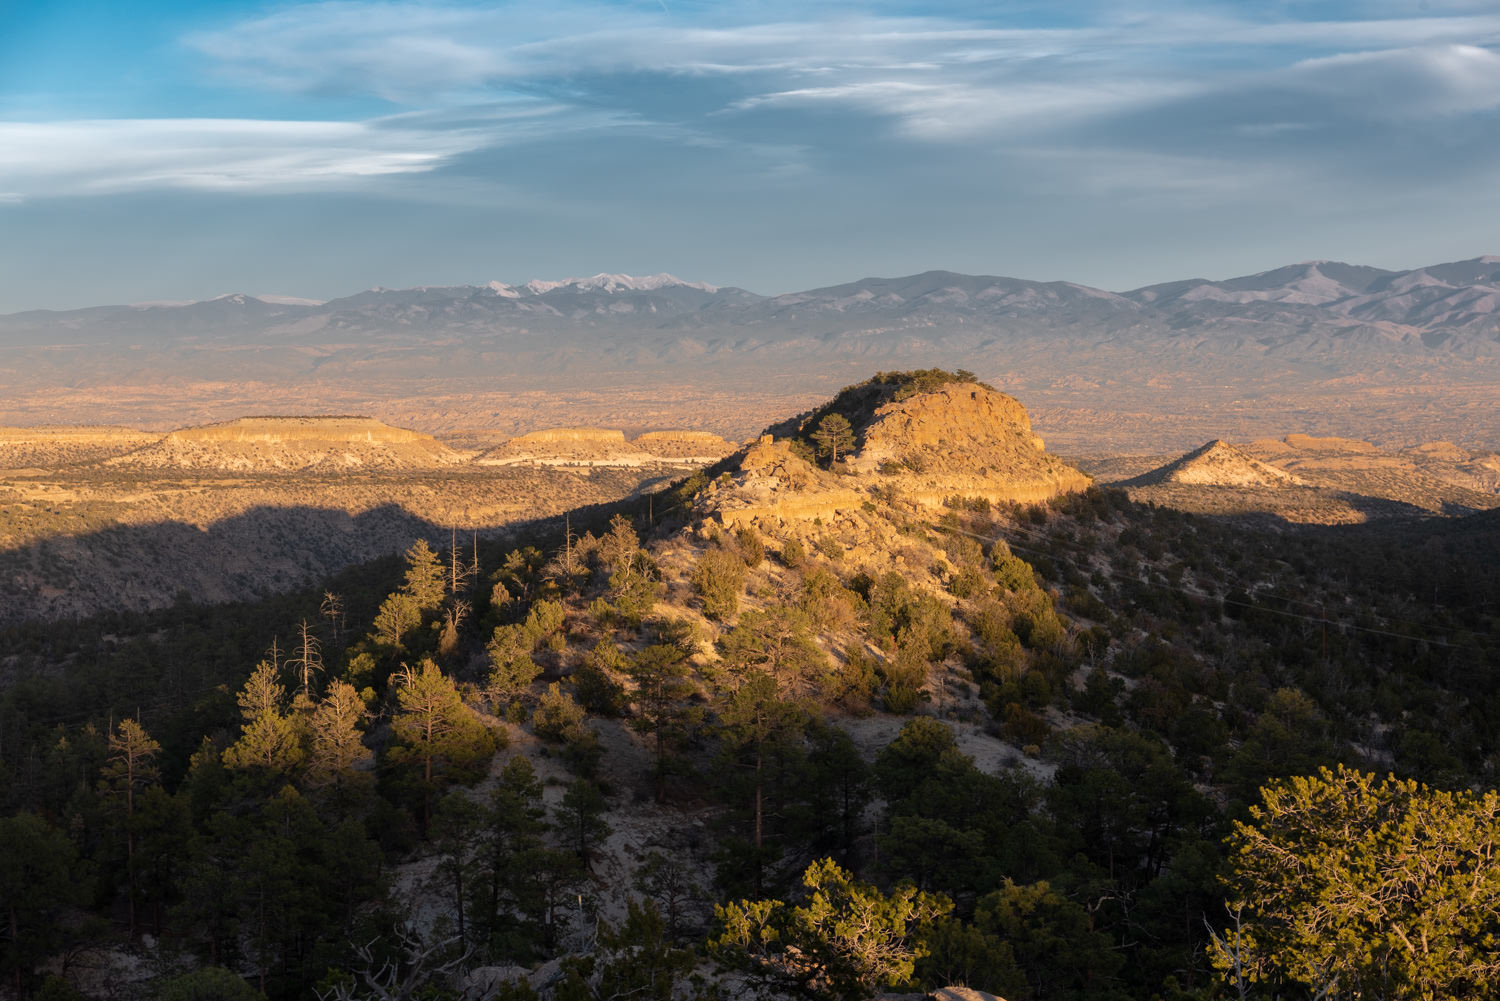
(961, 440)
(49, 447)
(962, 994)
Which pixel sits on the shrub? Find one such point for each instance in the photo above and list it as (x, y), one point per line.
(719, 578)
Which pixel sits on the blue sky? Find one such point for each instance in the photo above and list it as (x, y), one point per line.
(157, 150)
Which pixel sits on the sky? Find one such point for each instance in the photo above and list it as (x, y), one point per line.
(164, 151)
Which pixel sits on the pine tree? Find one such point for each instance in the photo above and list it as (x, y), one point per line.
(130, 766)
(580, 819)
(337, 747)
(436, 730)
(270, 742)
(834, 435)
(426, 577)
(399, 614)
(755, 718)
(662, 691)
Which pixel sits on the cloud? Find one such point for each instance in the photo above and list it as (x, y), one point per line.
(1404, 83)
(107, 156)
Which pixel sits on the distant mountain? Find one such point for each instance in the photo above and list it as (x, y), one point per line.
(1314, 323)
(1318, 304)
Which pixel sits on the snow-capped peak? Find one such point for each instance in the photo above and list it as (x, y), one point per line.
(599, 283)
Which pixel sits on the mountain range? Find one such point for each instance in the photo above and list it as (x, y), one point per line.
(1343, 347)
(1323, 305)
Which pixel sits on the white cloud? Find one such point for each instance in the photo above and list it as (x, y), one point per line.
(1405, 83)
(104, 156)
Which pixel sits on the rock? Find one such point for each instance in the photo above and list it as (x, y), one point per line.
(962, 994)
(963, 440)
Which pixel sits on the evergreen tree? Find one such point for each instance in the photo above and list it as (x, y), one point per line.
(270, 744)
(399, 614)
(755, 718)
(580, 819)
(662, 690)
(777, 641)
(1345, 887)
(39, 880)
(719, 577)
(337, 747)
(426, 578)
(834, 435)
(436, 732)
(131, 766)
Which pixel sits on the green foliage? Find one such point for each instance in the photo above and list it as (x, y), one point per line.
(212, 983)
(719, 578)
(904, 673)
(337, 752)
(833, 435)
(426, 578)
(593, 686)
(439, 739)
(752, 549)
(557, 717)
(661, 697)
(580, 819)
(845, 940)
(1345, 887)
(270, 742)
(635, 959)
(777, 640)
(38, 882)
(510, 649)
(399, 614)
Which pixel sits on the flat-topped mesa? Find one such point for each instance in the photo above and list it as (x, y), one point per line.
(567, 447)
(1218, 464)
(687, 446)
(278, 430)
(52, 446)
(287, 444)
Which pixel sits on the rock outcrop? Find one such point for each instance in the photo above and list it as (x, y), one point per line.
(289, 444)
(962, 439)
(959, 440)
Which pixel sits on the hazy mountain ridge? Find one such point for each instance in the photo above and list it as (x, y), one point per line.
(1459, 300)
(1415, 352)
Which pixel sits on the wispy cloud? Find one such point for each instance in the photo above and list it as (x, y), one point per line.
(1190, 99)
(106, 156)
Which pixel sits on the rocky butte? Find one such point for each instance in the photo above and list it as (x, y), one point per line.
(958, 439)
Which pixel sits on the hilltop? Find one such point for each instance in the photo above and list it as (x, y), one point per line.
(927, 436)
